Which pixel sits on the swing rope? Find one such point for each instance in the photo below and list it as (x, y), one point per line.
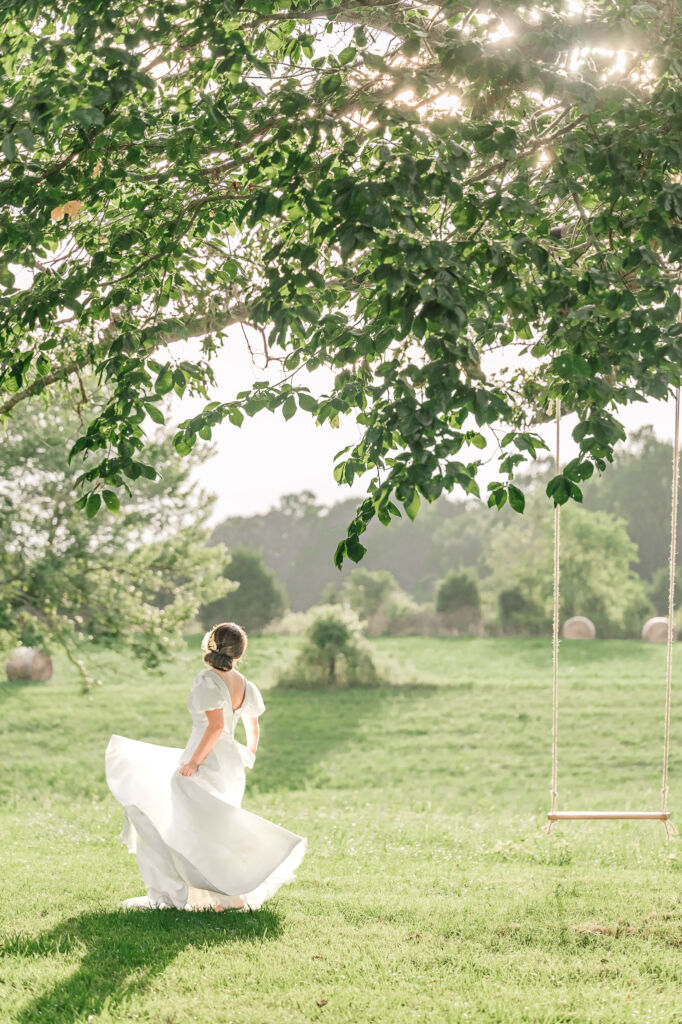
(664, 815)
(555, 627)
(670, 829)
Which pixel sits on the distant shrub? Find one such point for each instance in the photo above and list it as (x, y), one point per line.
(518, 614)
(334, 653)
(458, 600)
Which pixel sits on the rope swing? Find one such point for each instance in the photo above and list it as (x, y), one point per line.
(662, 815)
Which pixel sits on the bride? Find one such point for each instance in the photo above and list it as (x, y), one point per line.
(196, 847)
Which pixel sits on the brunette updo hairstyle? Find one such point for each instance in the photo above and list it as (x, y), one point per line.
(225, 644)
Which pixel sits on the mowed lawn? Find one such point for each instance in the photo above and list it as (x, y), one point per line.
(429, 892)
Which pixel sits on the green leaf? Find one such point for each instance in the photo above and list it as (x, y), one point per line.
(354, 549)
(88, 116)
(182, 445)
(559, 490)
(42, 365)
(339, 554)
(111, 501)
(289, 407)
(330, 84)
(7, 278)
(516, 498)
(154, 413)
(93, 504)
(80, 445)
(164, 382)
(307, 402)
(9, 148)
(26, 138)
(498, 495)
(412, 505)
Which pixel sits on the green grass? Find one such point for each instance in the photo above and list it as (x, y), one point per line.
(429, 892)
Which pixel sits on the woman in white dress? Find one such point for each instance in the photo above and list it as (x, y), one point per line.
(196, 847)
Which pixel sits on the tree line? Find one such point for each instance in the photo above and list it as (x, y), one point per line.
(461, 559)
(141, 569)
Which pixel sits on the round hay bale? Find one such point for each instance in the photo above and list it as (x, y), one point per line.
(655, 631)
(579, 628)
(28, 663)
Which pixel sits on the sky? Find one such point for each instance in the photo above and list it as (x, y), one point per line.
(267, 457)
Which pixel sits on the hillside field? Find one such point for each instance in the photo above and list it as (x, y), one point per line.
(429, 891)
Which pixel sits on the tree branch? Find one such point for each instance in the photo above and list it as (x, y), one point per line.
(168, 333)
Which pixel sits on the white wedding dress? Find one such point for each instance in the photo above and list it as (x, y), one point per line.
(196, 846)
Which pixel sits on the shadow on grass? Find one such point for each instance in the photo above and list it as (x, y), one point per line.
(307, 725)
(122, 953)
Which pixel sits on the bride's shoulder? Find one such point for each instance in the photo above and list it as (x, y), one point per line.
(254, 704)
(207, 692)
(205, 676)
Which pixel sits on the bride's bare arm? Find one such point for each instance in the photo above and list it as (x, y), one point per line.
(206, 743)
(252, 733)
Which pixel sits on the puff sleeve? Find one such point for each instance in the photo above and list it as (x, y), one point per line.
(253, 702)
(209, 694)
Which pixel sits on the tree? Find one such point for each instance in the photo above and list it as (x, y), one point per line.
(131, 576)
(367, 592)
(637, 489)
(596, 575)
(258, 599)
(391, 190)
(458, 599)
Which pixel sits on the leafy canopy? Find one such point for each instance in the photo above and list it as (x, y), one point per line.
(391, 190)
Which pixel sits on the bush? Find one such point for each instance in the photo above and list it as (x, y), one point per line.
(518, 614)
(334, 653)
(459, 602)
(259, 599)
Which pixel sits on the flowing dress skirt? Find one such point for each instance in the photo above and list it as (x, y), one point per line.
(195, 846)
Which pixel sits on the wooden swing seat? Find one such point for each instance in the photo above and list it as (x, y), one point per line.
(608, 816)
(662, 815)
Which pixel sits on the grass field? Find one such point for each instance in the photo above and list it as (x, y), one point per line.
(429, 892)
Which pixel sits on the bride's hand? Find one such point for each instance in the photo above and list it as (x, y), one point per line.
(189, 768)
